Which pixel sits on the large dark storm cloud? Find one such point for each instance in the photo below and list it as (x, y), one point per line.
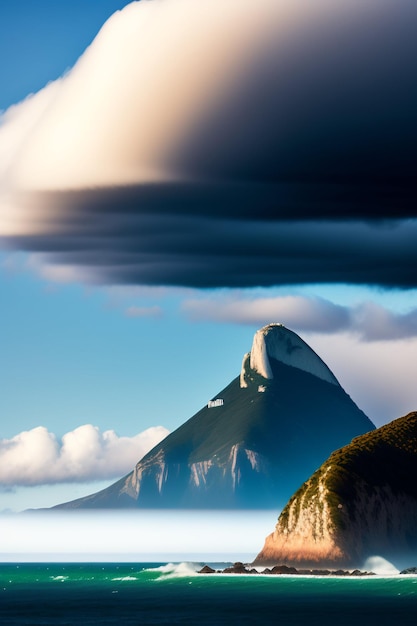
(168, 247)
(300, 170)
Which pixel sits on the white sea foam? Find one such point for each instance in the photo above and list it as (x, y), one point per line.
(123, 578)
(176, 570)
(380, 566)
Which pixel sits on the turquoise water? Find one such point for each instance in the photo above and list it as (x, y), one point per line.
(156, 593)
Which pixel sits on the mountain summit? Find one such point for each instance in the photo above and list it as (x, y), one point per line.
(252, 444)
(280, 344)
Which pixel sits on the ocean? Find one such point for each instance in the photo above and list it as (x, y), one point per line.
(169, 593)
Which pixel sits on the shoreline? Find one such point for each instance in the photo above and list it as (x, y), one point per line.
(240, 568)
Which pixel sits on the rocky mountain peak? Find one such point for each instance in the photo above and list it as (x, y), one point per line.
(276, 342)
(253, 443)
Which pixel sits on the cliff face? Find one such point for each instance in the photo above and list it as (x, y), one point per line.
(254, 443)
(362, 501)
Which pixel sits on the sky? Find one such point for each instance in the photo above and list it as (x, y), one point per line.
(174, 180)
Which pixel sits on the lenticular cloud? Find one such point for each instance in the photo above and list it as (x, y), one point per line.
(37, 457)
(212, 143)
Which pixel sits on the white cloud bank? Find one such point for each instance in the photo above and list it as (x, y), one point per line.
(38, 457)
(134, 535)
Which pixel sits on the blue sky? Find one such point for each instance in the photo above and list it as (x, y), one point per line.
(128, 346)
(40, 42)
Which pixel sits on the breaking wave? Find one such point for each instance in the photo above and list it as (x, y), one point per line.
(380, 566)
(176, 570)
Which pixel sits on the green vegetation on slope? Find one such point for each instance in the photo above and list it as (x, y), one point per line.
(385, 458)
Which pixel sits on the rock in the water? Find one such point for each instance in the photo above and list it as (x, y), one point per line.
(410, 570)
(237, 568)
(207, 570)
(281, 570)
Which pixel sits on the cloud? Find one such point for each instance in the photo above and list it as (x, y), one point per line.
(282, 154)
(367, 320)
(38, 457)
(377, 323)
(298, 312)
(143, 311)
(203, 253)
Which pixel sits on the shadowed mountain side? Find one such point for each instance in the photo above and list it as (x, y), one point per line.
(254, 446)
(361, 502)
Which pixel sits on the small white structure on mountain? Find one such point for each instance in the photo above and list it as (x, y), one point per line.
(216, 402)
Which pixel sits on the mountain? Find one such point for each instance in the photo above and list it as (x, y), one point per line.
(361, 502)
(253, 443)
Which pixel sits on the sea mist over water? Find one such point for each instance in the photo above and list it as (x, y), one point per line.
(134, 535)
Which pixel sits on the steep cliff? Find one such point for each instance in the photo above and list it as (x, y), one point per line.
(253, 443)
(362, 501)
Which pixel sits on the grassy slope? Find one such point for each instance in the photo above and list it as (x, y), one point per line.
(298, 411)
(384, 457)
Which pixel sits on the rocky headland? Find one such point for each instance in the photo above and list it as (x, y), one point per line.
(361, 502)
